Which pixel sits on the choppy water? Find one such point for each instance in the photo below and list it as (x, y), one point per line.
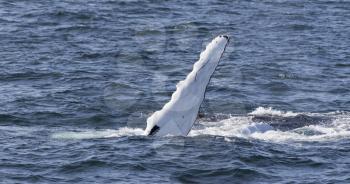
(79, 78)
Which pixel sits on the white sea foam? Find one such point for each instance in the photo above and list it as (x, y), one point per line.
(232, 127)
(272, 112)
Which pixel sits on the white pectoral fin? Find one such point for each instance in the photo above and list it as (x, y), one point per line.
(179, 114)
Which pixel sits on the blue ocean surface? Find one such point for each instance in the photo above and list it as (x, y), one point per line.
(78, 79)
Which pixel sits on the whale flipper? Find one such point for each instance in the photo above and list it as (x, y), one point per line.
(179, 114)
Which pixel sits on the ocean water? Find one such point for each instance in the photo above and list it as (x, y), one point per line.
(78, 80)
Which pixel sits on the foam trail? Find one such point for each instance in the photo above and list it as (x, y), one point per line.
(178, 115)
(95, 134)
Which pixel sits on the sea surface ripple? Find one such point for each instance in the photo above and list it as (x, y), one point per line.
(78, 80)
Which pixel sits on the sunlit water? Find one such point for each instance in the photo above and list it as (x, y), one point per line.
(78, 80)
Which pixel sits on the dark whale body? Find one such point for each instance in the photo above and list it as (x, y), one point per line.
(284, 123)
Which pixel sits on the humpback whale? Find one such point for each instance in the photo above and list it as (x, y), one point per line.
(290, 122)
(179, 114)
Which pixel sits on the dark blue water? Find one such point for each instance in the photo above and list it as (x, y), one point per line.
(78, 80)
